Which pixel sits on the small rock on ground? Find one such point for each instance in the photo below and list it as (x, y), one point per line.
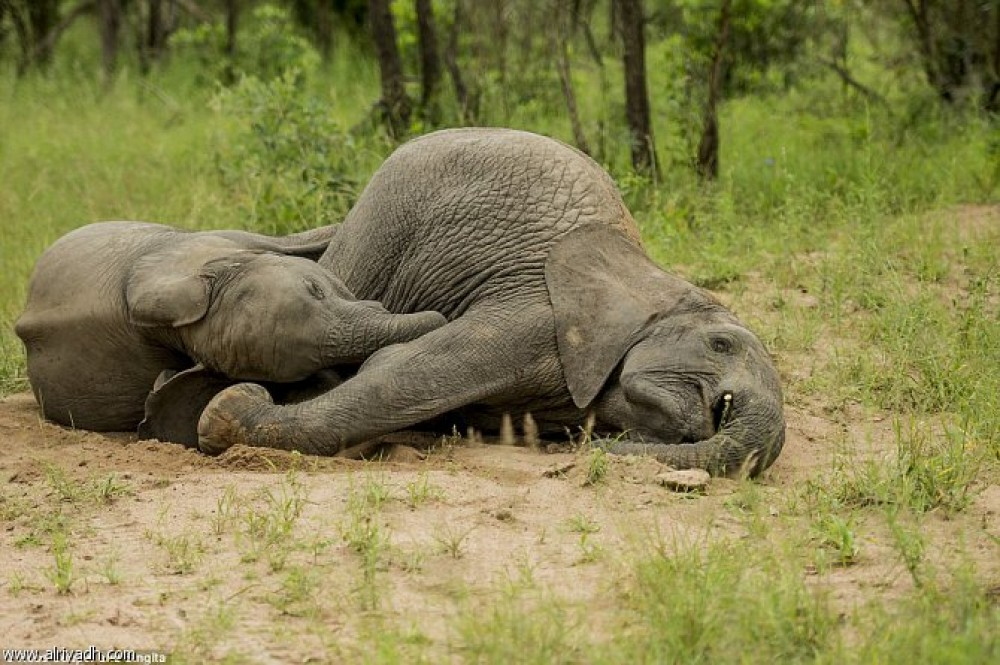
(688, 480)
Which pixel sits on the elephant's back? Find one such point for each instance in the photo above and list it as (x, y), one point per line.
(458, 216)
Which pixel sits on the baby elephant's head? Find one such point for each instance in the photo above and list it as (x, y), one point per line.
(264, 316)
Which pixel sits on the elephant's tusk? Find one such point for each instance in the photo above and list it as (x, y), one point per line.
(727, 405)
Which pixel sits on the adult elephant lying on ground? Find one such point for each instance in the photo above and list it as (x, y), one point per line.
(525, 245)
(112, 305)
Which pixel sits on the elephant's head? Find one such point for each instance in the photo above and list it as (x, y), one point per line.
(660, 359)
(259, 315)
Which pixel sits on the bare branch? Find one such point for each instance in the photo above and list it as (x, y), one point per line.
(846, 77)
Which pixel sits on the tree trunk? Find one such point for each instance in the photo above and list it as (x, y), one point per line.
(707, 163)
(232, 25)
(23, 31)
(468, 103)
(430, 61)
(324, 29)
(583, 19)
(630, 18)
(32, 22)
(395, 103)
(992, 101)
(110, 18)
(43, 16)
(564, 31)
(156, 31)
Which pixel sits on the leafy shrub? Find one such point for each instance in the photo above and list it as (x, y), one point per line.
(268, 46)
(295, 167)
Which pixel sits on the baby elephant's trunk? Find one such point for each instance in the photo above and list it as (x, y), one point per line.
(371, 327)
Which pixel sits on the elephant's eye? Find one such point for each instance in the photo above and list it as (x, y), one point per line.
(721, 345)
(315, 290)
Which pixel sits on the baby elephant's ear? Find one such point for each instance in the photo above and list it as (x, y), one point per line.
(168, 301)
(604, 292)
(173, 288)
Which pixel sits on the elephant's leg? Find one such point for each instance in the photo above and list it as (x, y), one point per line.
(480, 355)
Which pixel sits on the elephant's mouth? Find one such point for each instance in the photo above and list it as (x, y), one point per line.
(722, 410)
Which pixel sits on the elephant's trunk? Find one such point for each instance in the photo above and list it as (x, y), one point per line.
(748, 442)
(370, 328)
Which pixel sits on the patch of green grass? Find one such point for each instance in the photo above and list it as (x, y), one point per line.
(109, 569)
(923, 473)
(452, 540)
(421, 491)
(227, 510)
(597, 466)
(363, 531)
(836, 541)
(719, 602)
(952, 624)
(199, 641)
(521, 628)
(111, 488)
(62, 574)
(582, 524)
(268, 524)
(297, 593)
(105, 490)
(184, 551)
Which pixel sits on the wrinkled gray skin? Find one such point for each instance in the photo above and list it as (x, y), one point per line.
(112, 305)
(553, 307)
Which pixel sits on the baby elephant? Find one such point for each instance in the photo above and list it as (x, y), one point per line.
(113, 304)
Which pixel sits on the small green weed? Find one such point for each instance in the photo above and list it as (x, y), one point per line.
(421, 491)
(911, 546)
(268, 528)
(297, 593)
(227, 510)
(451, 540)
(62, 574)
(184, 551)
(109, 569)
(582, 524)
(597, 466)
(111, 488)
(364, 534)
(835, 540)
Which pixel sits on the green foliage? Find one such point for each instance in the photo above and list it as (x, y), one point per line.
(766, 41)
(291, 162)
(62, 573)
(953, 624)
(267, 47)
(721, 602)
(597, 465)
(924, 474)
(520, 628)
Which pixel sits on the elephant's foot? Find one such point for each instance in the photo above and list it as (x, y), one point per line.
(228, 418)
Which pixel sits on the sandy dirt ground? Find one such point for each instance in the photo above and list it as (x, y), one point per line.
(164, 555)
(276, 557)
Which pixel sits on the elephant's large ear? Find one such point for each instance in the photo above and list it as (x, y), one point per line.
(172, 287)
(604, 291)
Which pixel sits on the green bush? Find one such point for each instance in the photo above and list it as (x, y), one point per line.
(268, 46)
(292, 164)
